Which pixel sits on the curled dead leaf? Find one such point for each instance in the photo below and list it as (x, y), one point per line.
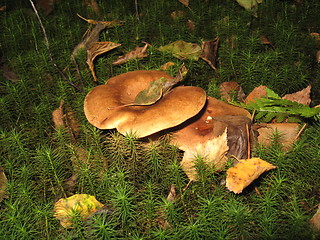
(95, 50)
(245, 172)
(137, 53)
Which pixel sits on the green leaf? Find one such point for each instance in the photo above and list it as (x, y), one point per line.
(151, 94)
(182, 50)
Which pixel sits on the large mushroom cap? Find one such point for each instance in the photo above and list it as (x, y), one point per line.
(100, 105)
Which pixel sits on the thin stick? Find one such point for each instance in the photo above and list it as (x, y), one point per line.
(137, 9)
(249, 146)
(48, 47)
(299, 133)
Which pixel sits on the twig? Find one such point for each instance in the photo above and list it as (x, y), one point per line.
(299, 133)
(137, 9)
(48, 48)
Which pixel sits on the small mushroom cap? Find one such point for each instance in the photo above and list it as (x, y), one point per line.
(211, 123)
(102, 105)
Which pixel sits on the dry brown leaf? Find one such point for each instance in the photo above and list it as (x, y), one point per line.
(138, 52)
(230, 91)
(287, 132)
(315, 35)
(95, 50)
(245, 172)
(213, 153)
(315, 220)
(258, 92)
(265, 41)
(302, 97)
(318, 56)
(72, 123)
(185, 3)
(93, 5)
(3, 185)
(82, 204)
(176, 15)
(191, 25)
(172, 194)
(58, 116)
(209, 52)
(167, 66)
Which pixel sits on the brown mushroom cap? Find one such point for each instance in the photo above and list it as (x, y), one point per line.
(211, 123)
(180, 104)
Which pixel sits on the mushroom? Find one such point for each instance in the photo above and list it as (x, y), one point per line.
(102, 105)
(219, 129)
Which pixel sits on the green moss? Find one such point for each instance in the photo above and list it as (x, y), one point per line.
(130, 176)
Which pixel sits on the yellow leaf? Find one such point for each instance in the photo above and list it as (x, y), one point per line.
(82, 204)
(182, 50)
(245, 172)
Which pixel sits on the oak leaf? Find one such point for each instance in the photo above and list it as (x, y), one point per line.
(245, 172)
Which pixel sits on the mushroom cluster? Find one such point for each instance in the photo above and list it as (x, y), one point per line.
(192, 118)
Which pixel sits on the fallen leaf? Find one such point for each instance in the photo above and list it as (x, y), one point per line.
(302, 97)
(245, 172)
(172, 194)
(3, 185)
(93, 36)
(182, 50)
(315, 35)
(93, 5)
(213, 153)
(3, 8)
(167, 66)
(72, 123)
(231, 91)
(46, 6)
(191, 25)
(250, 5)
(176, 15)
(315, 220)
(82, 205)
(95, 50)
(264, 40)
(184, 2)
(137, 53)
(287, 132)
(157, 89)
(58, 116)
(258, 92)
(318, 56)
(209, 52)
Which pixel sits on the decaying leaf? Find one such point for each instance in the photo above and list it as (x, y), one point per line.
(191, 25)
(302, 97)
(287, 133)
(82, 205)
(58, 116)
(167, 66)
(213, 153)
(185, 3)
(315, 220)
(249, 5)
(3, 185)
(209, 52)
(95, 50)
(258, 92)
(66, 119)
(245, 172)
(318, 56)
(172, 194)
(176, 15)
(157, 89)
(93, 36)
(231, 91)
(93, 5)
(137, 53)
(182, 50)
